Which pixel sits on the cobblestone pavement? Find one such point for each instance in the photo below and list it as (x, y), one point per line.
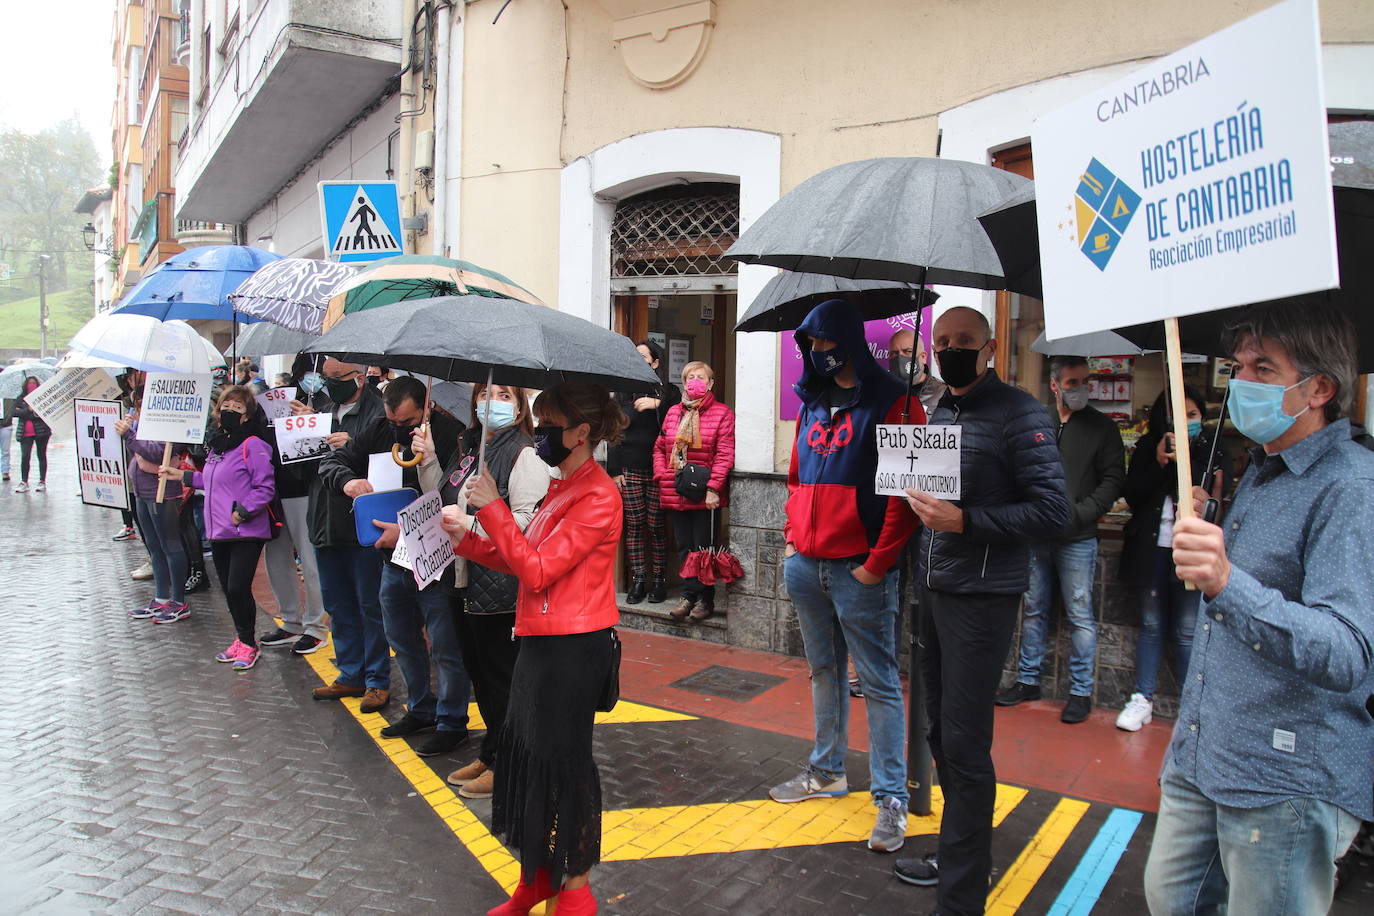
(140, 776)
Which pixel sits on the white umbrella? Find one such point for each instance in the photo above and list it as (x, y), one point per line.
(1099, 343)
(142, 342)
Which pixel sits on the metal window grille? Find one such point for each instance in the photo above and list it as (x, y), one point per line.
(680, 230)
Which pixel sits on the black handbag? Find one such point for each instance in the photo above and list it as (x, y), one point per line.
(610, 691)
(690, 482)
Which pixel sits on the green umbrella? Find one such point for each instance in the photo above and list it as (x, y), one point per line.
(419, 276)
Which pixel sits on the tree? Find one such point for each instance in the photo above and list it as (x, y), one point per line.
(42, 176)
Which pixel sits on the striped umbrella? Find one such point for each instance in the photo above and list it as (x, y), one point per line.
(419, 276)
(292, 292)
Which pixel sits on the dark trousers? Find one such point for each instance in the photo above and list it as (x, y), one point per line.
(489, 652)
(236, 562)
(646, 530)
(190, 536)
(160, 527)
(26, 444)
(692, 531)
(966, 646)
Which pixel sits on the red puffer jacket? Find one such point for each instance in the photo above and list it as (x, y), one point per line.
(565, 560)
(717, 452)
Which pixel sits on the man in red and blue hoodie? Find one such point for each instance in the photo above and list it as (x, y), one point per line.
(843, 546)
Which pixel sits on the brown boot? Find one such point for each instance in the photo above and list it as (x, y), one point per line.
(464, 775)
(702, 611)
(337, 691)
(683, 609)
(481, 787)
(375, 699)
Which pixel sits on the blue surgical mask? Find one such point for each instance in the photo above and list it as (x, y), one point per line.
(828, 362)
(1194, 428)
(495, 415)
(312, 383)
(1257, 409)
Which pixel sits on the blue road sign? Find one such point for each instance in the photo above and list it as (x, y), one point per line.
(362, 220)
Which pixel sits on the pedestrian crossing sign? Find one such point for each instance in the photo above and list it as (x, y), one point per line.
(362, 220)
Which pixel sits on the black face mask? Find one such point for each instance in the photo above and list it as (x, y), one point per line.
(401, 434)
(340, 390)
(958, 365)
(548, 445)
(230, 420)
(374, 380)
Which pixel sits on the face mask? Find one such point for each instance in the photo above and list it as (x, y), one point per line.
(401, 434)
(495, 415)
(1194, 428)
(312, 383)
(1074, 398)
(548, 445)
(828, 363)
(30, 387)
(959, 365)
(340, 390)
(230, 420)
(374, 380)
(696, 388)
(1257, 409)
(899, 365)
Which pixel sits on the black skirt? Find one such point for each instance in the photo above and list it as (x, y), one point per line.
(547, 798)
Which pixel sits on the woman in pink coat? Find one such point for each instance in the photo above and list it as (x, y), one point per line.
(700, 431)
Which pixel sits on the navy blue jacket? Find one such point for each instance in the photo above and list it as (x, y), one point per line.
(1013, 483)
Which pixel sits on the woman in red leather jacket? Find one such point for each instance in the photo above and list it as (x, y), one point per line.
(547, 799)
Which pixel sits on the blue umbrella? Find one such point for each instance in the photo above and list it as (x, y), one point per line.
(195, 285)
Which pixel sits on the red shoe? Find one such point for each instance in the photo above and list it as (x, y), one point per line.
(576, 903)
(526, 896)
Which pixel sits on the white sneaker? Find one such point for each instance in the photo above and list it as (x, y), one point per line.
(143, 572)
(1139, 711)
(22, 488)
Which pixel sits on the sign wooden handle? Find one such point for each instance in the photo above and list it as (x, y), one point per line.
(1183, 452)
(162, 481)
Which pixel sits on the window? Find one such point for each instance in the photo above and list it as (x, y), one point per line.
(679, 230)
(132, 85)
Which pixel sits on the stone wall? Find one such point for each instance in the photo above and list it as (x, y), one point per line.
(758, 615)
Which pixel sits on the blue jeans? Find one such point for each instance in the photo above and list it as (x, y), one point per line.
(409, 614)
(1209, 858)
(160, 526)
(351, 583)
(1165, 601)
(5, 433)
(840, 617)
(1075, 564)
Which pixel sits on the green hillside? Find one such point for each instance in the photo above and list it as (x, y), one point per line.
(67, 312)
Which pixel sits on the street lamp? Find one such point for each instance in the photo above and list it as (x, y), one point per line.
(89, 235)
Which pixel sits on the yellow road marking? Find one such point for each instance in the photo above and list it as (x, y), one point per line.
(691, 830)
(1016, 884)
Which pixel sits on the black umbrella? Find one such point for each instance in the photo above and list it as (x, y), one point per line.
(910, 219)
(480, 339)
(267, 339)
(789, 297)
(1011, 227)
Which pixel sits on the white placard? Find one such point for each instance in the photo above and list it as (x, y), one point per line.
(101, 463)
(276, 402)
(383, 472)
(175, 407)
(920, 458)
(400, 556)
(302, 438)
(427, 545)
(52, 400)
(1197, 183)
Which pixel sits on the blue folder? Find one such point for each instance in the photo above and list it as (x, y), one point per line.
(381, 507)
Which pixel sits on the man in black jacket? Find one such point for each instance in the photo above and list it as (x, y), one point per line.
(973, 569)
(1094, 471)
(350, 575)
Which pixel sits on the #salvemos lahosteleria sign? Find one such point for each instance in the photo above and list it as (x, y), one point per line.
(1199, 182)
(361, 220)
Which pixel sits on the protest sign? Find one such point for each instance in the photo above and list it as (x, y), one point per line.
(383, 472)
(175, 407)
(276, 402)
(100, 460)
(427, 546)
(1197, 183)
(921, 458)
(53, 399)
(302, 438)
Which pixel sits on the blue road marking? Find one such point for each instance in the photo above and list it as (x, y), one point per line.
(1085, 885)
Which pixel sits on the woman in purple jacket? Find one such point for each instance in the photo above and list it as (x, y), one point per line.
(159, 523)
(239, 482)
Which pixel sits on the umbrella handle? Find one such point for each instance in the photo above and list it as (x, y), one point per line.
(397, 450)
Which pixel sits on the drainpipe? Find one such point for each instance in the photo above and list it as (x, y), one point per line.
(441, 103)
(404, 173)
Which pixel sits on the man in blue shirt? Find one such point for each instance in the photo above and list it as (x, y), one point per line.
(1271, 766)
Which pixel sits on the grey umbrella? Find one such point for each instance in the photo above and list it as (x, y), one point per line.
(789, 297)
(476, 338)
(910, 219)
(266, 339)
(1010, 226)
(1099, 343)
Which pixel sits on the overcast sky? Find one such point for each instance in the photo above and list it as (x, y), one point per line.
(56, 63)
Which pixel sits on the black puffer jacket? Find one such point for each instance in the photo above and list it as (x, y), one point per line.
(330, 512)
(1013, 485)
